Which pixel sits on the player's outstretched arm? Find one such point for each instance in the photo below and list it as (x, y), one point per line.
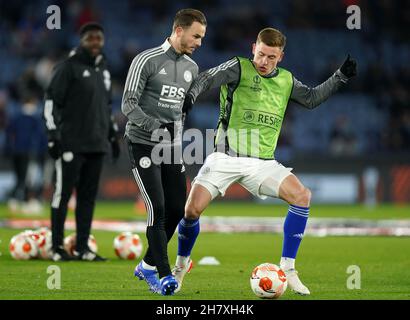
(312, 97)
(225, 73)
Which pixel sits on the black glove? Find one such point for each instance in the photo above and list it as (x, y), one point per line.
(170, 127)
(54, 149)
(348, 67)
(115, 149)
(188, 104)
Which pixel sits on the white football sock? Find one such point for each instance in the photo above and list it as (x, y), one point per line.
(181, 261)
(146, 266)
(287, 263)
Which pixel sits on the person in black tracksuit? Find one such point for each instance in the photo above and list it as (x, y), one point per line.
(80, 129)
(153, 97)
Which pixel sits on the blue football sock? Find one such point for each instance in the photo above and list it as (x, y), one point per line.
(188, 231)
(293, 229)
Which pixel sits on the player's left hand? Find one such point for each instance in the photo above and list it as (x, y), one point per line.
(188, 103)
(170, 127)
(348, 67)
(115, 149)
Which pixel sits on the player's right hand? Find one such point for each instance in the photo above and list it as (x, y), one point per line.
(348, 67)
(54, 149)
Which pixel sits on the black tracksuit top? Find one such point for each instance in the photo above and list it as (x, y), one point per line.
(78, 104)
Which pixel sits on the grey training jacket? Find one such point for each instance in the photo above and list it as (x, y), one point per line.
(154, 92)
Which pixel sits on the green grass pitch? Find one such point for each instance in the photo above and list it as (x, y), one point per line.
(125, 211)
(322, 263)
(384, 264)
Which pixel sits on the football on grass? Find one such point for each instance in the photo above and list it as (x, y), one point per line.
(44, 243)
(23, 247)
(128, 245)
(268, 281)
(70, 243)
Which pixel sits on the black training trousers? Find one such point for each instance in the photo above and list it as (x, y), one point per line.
(82, 172)
(163, 188)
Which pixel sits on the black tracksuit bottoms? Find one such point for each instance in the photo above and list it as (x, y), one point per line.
(82, 172)
(163, 188)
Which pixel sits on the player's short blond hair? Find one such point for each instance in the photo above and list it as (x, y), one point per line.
(272, 38)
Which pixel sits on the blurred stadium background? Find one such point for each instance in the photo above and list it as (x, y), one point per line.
(353, 149)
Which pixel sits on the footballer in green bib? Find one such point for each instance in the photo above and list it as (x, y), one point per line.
(250, 125)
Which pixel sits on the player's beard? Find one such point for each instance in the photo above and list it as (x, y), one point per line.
(185, 49)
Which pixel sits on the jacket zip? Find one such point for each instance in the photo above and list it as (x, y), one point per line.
(175, 73)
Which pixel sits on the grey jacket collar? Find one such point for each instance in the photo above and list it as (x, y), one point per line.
(169, 50)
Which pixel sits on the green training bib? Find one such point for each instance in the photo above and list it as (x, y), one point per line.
(251, 115)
